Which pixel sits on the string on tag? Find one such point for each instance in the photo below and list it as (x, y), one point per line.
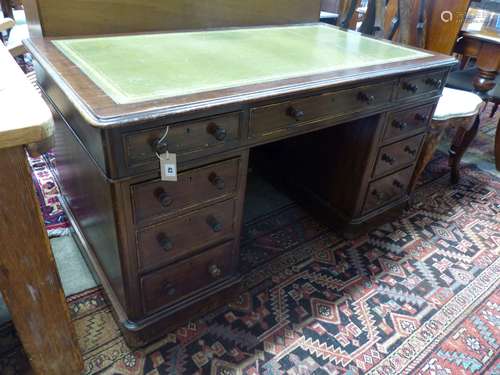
(163, 137)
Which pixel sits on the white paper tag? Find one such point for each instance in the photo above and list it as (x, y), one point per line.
(168, 166)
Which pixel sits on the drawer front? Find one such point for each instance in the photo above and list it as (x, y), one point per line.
(407, 122)
(160, 199)
(174, 282)
(387, 189)
(183, 138)
(397, 155)
(167, 242)
(421, 84)
(269, 119)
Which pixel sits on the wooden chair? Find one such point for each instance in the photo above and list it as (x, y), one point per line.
(456, 109)
(17, 32)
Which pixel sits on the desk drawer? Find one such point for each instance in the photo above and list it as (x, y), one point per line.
(159, 199)
(167, 242)
(269, 119)
(420, 84)
(183, 138)
(397, 155)
(407, 122)
(387, 189)
(177, 281)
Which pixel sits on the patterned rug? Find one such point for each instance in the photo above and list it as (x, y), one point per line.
(416, 296)
(47, 193)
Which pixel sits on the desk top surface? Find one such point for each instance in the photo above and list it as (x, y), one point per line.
(172, 71)
(138, 68)
(482, 24)
(24, 118)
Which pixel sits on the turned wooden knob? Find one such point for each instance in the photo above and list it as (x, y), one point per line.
(410, 87)
(388, 159)
(164, 198)
(433, 82)
(398, 184)
(365, 98)
(214, 271)
(160, 147)
(217, 181)
(420, 117)
(218, 132)
(165, 242)
(214, 223)
(399, 125)
(410, 150)
(295, 113)
(169, 289)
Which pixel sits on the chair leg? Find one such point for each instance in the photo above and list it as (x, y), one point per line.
(494, 110)
(459, 145)
(431, 143)
(497, 147)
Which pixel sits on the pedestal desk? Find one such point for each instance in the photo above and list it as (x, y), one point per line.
(340, 117)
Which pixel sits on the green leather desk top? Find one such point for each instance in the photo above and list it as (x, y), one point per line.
(137, 68)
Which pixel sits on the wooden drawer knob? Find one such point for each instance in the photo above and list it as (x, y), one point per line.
(160, 147)
(214, 271)
(165, 242)
(218, 132)
(365, 98)
(164, 198)
(398, 184)
(433, 82)
(217, 181)
(420, 117)
(295, 113)
(388, 159)
(399, 125)
(214, 223)
(410, 150)
(169, 289)
(411, 87)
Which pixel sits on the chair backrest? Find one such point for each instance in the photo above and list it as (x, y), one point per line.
(94, 17)
(429, 24)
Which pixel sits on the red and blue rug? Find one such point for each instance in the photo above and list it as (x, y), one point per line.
(415, 296)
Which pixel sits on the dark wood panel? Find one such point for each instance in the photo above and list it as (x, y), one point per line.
(169, 241)
(90, 198)
(273, 118)
(328, 169)
(387, 189)
(397, 155)
(183, 138)
(160, 199)
(405, 123)
(91, 17)
(192, 275)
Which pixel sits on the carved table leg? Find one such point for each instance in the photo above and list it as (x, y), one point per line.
(461, 142)
(488, 63)
(431, 143)
(28, 277)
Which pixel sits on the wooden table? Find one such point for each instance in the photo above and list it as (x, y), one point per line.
(481, 39)
(339, 116)
(29, 281)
